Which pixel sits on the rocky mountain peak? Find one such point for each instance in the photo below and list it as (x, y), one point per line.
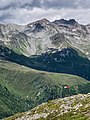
(71, 21)
(39, 25)
(39, 36)
(42, 22)
(65, 22)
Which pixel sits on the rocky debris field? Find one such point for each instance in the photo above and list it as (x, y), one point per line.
(75, 107)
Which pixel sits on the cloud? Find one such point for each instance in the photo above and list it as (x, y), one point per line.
(19, 4)
(64, 3)
(59, 3)
(14, 3)
(83, 4)
(26, 11)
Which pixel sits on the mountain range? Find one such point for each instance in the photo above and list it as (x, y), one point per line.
(39, 59)
(44, 36)
(43, 43)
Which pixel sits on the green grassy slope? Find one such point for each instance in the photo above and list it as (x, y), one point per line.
(23, 88)
(11, 103)
(70, 108)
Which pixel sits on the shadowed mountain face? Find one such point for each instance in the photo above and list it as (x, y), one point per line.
(38, 27)
(65, 61)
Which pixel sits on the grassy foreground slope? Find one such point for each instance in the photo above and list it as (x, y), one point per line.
(23, 88)
(70, 108)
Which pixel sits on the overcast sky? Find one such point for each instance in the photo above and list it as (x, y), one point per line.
(26, 11)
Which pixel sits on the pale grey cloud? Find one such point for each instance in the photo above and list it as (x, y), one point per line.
(26, 11)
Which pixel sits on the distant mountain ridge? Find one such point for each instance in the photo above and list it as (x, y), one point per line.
(40, 36)
(65, 22)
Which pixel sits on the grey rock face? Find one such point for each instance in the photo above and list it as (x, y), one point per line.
(41, 36)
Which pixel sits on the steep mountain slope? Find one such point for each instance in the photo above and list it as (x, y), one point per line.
(11, 103)
(64, 61)
(23, 88)
(69, 108)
